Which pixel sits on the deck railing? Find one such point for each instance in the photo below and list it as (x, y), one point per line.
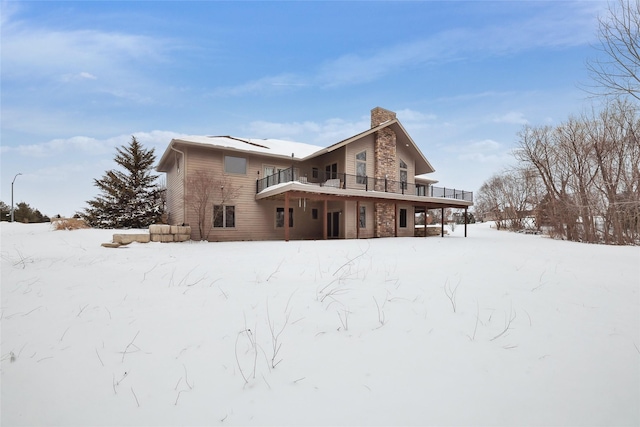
(359, 182)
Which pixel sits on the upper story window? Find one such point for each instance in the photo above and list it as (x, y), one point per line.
(403, 172)
(237, 165)
(331, 171)
(361, 167)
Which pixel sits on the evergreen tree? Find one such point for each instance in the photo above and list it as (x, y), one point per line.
(22, 213)
(130, 196)
(5, 211)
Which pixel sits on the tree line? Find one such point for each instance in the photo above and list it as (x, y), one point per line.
(580, 180)
(22, 213)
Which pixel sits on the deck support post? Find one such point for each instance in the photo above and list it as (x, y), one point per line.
(324, 221)
(357, 219)
(465, 221)
(441, 222)
(395, 219)
(425, 220)
(286, 216)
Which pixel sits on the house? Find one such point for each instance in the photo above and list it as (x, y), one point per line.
(369, 185)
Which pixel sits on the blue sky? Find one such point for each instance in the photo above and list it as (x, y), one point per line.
(79, 78)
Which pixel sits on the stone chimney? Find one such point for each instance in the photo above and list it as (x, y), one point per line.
(380, 115)
(385, 170)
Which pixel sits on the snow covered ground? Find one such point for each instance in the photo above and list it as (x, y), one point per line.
(495, 329)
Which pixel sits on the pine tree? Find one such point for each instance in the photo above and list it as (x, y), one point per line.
(130, 197)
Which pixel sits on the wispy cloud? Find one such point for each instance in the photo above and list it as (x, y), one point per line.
(319, 133)
(81, 76)
(40, 56)
(269, 84)
(481, 151)
(512, 117)
(550, 26)
(90, 146)
(412, 116)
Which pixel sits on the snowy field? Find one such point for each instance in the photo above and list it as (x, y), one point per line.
(495, 329)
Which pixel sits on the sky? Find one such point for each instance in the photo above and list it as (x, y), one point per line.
(79, 79)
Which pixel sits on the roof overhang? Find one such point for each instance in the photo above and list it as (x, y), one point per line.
(422, 179)
(402, 137)
(177, 144)
(422, 165)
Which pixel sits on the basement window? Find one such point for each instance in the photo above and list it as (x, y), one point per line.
(403, 218)
(362, 222)
(280, 217)
(224, 216)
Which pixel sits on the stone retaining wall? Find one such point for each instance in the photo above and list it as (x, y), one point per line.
(157, 233)
(169, 233)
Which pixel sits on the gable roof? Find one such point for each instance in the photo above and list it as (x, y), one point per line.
(270, 147)
(402, 137)
(297, 150)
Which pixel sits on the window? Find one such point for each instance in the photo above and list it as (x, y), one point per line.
(314, 213)
(314, 173)
(403, 174)
(236, 165)
(361, 167)
(229, 216)
(331, 171)
(363, 217)
(224, 216)
(403, 218)
(280, 217)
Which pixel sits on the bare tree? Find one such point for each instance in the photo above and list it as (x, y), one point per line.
(591, 174)
(614, 136)
(539, 150)
(204, 190)
(509, 198)
(617, 70)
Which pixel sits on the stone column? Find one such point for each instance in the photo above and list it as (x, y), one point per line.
(385, 167)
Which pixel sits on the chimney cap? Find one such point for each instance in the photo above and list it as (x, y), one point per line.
(380, 115)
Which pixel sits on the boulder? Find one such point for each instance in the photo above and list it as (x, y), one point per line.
(160, 229)
(162, 238)
(125, 239)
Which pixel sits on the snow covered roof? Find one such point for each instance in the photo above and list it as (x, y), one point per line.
(298, 150)
(276, 147)
(426, 178)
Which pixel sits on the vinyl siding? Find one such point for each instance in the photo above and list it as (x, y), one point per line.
(175, 176)
(256, 220)
(253, 220)
(404, 154)
(365, 144)
(352, 220)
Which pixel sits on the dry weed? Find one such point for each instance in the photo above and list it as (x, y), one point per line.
(68, 224)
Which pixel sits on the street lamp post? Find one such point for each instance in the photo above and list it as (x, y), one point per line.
(14, 180)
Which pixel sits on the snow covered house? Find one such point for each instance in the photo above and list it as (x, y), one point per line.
(369, 185)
